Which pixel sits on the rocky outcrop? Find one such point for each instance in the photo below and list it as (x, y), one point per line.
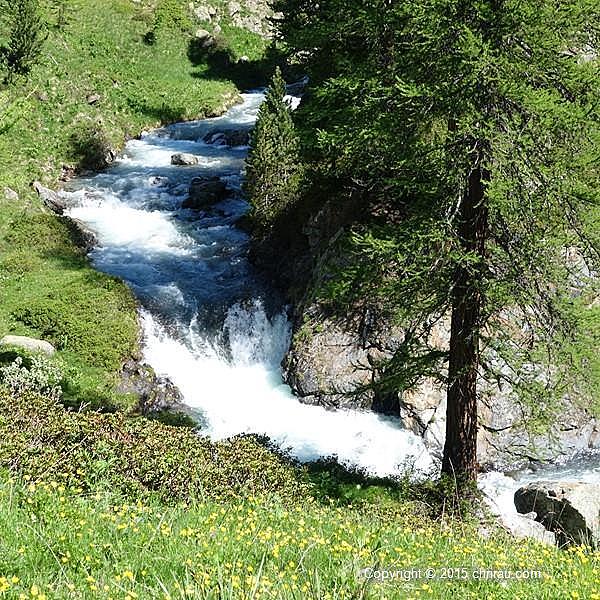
(28, 343)
(50, 198)
(253, 15)
(570, 510)
(184, 159)
(329, 359)
(155, 394)
(205, 192)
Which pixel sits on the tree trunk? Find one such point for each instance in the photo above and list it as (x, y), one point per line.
(460, 449)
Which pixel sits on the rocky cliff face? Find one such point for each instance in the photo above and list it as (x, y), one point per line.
(252, 15)
(329, 359)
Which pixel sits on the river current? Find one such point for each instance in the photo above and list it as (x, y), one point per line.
(210, 324)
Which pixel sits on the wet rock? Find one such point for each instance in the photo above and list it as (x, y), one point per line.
(155, 394)
(28, 343)
(205, 192)
(84, 237)
(232, 137)
(10, 194)
(184, 159)
(570, 510)
(50, 198)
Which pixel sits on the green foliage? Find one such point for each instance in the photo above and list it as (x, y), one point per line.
(25, 38)
(63, 544)
(39, 376)
(400, 95)
(134, 456)
(273, 172)
(169, 15)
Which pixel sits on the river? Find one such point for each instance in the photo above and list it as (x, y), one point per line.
(212, 325)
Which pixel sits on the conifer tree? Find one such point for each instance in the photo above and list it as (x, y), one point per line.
(26, 36)
(273, 166)
(476, 125)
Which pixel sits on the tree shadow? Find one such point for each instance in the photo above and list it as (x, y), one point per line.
(220, 63)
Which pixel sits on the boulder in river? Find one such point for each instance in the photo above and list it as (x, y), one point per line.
(570, 510)
(232, 137)
(184, 159)
(28, 343)
(205, 192)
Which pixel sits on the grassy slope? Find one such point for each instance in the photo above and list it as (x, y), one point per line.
(105, 506)
(48, 289)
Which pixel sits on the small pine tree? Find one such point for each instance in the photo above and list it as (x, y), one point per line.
(26, 36)
(273, 164)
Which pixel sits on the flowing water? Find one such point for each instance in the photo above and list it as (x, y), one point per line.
(210, 324)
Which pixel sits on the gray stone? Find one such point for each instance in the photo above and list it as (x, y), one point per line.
(49, 198)
(184, 159)
(28, 343)
(234, 8)
(154, 393)
(202, 13)
(570, 510)
(93, 98)
(526, 527)
(205, 192)
(10, 194)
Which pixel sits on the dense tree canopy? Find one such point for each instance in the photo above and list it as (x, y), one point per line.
(473, 128)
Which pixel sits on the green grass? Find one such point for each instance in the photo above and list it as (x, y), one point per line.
(47, 128)
(63, 544)
(108, 506)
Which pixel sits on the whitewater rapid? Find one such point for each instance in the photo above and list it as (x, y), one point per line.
(210, 324)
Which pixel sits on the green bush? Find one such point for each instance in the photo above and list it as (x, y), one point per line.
(135, 456)
(26, 36)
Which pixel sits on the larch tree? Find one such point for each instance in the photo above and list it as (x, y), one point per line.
(476, 124)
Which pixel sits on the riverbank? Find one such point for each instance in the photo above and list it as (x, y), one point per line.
(95, 87)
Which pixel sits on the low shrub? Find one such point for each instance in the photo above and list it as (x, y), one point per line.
(135, 456)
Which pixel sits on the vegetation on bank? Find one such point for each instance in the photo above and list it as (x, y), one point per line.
(106, 506)
(96, 83)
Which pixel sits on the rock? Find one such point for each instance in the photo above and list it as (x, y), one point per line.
(570, 510)
(205, 38)
(205, 192)
(155, 394)
(217, 29)
(184, 159)
(202, 13)
(328, 358)
(93, 98)
(234, 8)
(85, 238)
(231, 137)
(28, 343)
(49, 198)
(526, 527)
(10, 194)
